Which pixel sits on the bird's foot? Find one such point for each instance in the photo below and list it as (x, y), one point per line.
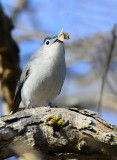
(50, 104)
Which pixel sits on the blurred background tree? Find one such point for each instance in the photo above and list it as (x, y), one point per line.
(90, 24)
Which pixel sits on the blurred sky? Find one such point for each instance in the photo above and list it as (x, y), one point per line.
(81, 18)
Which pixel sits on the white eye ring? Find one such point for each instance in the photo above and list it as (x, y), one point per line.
(47, 42)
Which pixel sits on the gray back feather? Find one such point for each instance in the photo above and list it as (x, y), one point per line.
(17, 98)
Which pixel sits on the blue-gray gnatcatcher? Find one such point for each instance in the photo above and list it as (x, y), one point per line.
(43, 76)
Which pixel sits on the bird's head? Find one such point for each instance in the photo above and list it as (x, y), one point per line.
(52, 45)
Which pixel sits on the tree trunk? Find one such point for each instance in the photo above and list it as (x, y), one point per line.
(9, 63)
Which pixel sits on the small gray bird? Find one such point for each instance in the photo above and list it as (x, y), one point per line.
(43, 76)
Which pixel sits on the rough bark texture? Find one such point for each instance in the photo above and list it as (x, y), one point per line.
(9, 62)
(59, 133)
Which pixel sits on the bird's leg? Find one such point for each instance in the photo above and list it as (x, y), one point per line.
(50, 104)
(29, 104)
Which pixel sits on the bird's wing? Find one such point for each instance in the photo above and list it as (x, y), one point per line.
(17, 98)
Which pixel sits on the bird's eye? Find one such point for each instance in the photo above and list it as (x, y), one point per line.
(47, 42)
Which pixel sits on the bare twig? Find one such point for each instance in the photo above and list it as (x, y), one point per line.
(107, 64)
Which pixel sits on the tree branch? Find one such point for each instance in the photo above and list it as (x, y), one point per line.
(59, 133)
(107, 65)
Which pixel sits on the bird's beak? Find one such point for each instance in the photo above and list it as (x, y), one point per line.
(57, 40)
